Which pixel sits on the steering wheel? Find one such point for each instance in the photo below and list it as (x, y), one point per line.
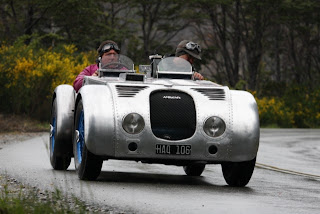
(115, 65)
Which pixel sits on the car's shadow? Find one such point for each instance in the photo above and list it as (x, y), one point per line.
(163, 180)
(149, 179)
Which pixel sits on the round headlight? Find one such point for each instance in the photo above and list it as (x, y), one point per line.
(133, 123)
(214, 126)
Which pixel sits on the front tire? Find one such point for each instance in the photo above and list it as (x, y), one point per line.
(238, 174)
(88, 166)
(194, 169)
(57, 162)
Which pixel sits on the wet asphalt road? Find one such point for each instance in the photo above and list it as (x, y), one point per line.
(142, 188)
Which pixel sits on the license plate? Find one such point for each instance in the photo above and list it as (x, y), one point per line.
(173, 149)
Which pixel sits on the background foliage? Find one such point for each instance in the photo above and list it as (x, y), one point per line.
(29, 74)
(269, 47)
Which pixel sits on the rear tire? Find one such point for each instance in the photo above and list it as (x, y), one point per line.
(88, 166)
(194, 169)
(238, 174)
(57, 162)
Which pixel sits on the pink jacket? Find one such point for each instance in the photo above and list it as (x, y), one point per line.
(88, 71)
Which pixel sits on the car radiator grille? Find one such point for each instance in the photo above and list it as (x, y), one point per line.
(172, 115)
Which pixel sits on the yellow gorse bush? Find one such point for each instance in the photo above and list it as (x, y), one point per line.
(29, 75)
(61, 67)
(290, 111)
(273, 111)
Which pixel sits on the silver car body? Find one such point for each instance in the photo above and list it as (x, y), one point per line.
(107, 100)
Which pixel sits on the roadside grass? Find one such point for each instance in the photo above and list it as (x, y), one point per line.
(18, 199)
(21, 123)
(273, 126)
(28, 200)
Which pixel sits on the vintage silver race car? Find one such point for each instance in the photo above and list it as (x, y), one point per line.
(160, 116)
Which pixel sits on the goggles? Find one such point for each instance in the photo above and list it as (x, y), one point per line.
(109, 46)
(193, 46)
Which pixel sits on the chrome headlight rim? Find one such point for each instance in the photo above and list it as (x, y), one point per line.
(214, 126)
(133, 123)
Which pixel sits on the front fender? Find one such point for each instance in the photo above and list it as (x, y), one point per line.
(64, 96)
(99, 119)
(245, 126)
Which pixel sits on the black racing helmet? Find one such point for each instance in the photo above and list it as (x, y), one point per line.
(106, 46)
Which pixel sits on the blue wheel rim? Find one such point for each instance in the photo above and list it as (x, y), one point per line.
(80, 142)
(53, 133)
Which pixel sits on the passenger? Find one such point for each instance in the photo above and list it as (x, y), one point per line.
(108, 51)
(189, 50)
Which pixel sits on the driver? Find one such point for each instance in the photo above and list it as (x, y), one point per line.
(189, 51)
(108, 51)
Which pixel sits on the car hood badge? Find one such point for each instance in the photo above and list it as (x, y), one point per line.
(172, 97)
